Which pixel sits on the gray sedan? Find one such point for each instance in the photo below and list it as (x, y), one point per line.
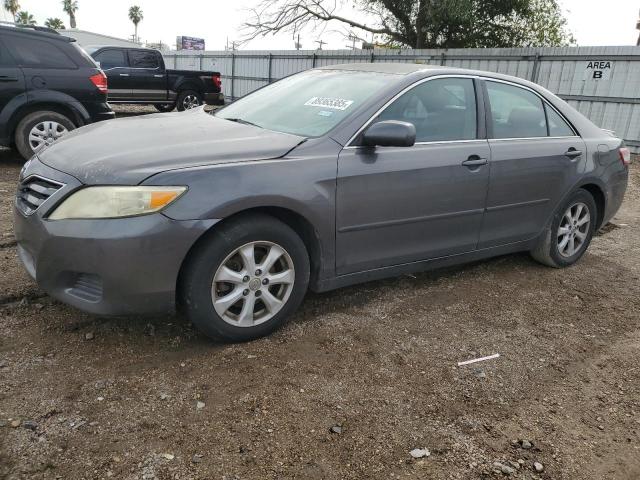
(327, 178)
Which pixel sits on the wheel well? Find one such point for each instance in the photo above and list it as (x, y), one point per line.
(189, 86)
(297, 222)
(41, 107)
(598, 195)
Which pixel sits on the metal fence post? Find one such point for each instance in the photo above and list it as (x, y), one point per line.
(443, 58)
(270, 62)
(313, 62)
(536, 67)
(372, 57)
(201, 55)
(233, 68)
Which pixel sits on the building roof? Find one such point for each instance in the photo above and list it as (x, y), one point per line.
(98, 37)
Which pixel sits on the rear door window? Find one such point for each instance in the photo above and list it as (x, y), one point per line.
(112, 58)
(143, 59)
(36, 53)
(515, 112)
(441, 110)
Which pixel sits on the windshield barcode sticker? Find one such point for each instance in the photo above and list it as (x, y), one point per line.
(327, 102)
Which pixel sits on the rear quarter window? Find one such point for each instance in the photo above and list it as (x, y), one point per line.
(37, 53)
(5, 58)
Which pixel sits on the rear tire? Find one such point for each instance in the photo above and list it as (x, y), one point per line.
(244, 279)
(567, 238)
(38, 130)
(188, 99)
(162, 107)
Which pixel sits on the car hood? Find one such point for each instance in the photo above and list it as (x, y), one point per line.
(128, 150)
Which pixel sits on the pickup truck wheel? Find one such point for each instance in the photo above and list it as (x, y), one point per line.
(188, 99)
(245, 279)
(162, 107)
(39, 130)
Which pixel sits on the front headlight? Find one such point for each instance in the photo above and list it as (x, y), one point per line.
(113, 202)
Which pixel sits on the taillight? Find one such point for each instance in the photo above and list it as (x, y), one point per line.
(625, 156)
(100, 81)
(217, 81)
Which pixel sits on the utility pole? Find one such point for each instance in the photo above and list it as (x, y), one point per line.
(297, 44)
(353, 39)
(320, 43)
(231, 47)
(638, 28)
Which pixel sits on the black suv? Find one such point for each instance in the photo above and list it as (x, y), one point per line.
(48, 86)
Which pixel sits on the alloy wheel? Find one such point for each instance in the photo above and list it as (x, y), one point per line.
(253, 284)
(44, 134)
(573, 229)
(190, 101)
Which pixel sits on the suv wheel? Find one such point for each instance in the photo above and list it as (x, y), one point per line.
(188, 99)
(39, 130)
(245, 279)
(570, 233)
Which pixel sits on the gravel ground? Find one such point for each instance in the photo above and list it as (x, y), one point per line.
(359, 379)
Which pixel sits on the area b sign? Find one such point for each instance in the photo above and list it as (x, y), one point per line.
(598, 70)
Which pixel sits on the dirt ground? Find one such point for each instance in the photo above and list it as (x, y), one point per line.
(357, 380)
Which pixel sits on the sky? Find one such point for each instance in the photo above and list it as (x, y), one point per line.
(217, 20)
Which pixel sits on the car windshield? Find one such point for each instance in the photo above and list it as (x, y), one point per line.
(307, 104)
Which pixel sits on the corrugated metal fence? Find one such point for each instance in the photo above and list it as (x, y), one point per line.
(601, 82)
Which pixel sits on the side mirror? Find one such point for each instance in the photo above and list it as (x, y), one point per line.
(390, 133)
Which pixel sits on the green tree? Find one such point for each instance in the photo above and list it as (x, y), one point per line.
(70, 7)
(25, 18)
(12, 6)
(136, 16)
(54, 23)
(425, 23)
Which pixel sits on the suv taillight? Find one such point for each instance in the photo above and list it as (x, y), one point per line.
(100, 81)
(217, 81)
(625, 156)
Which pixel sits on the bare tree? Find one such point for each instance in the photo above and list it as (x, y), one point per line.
(273, 16)
(423, 23)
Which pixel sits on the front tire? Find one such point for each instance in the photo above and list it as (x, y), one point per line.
(570, 233)
(38, 130)
(188, 99)
(245, 279)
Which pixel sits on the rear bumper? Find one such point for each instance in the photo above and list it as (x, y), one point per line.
(615, 195)
(214, 98)
(100, 111)
(107, 266)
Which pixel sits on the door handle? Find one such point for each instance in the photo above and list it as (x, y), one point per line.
(572, 153)
(124, 74)
(159, 76)
(7, 78)
(474, 161)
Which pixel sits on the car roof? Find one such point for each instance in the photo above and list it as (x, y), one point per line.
(45, 32)
(420, 70)
(397, 68)
(98, 47)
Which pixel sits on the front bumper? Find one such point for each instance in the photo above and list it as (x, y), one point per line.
(108, 266)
